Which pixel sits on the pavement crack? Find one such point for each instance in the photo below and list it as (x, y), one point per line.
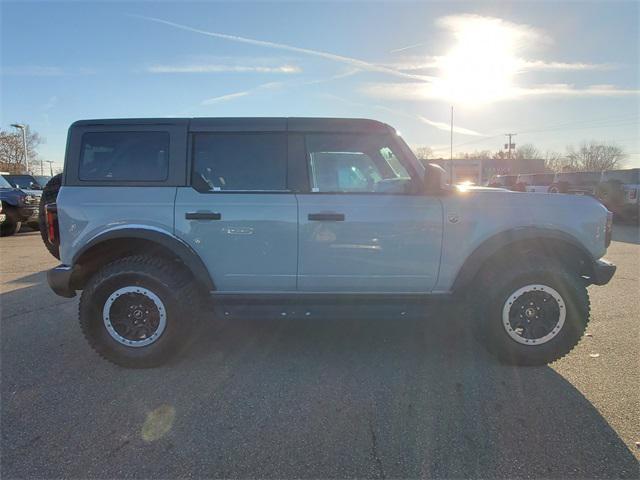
(374, 451)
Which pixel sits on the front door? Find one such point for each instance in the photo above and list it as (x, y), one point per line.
(361, 229)
(238, 215)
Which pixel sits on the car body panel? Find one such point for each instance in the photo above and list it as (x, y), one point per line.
(473, 216)
(386, 243)
(85, 213)
(254, 244)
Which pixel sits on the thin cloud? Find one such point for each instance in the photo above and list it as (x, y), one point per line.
(33, 71)
(354, 62)
(219, 68)
(422, 91)
(52, 102)
(233, 96)
(420, 118)
(44, 71)
(565, 66)
(564, 89)
(408, 47)
(447, 127)
(337, 76)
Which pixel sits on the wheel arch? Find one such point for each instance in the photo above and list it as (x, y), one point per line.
(505, 247)
(119, 242)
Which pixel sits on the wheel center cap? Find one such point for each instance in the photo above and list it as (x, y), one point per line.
(137, 314)
(530, 312)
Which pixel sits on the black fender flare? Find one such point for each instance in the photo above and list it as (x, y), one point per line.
(504, 239)
(163, 238)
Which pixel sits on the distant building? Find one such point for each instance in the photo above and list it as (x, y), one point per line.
(479, 171)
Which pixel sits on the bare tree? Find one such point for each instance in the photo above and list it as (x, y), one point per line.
(555, 162)
(477, 155)
(423, 153)
(12, 150)
(527, 151)
(595, 156)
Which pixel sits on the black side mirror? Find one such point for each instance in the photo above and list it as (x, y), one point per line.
(434, 179)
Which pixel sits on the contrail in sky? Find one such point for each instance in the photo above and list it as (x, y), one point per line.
(361, 64)
(408, 47)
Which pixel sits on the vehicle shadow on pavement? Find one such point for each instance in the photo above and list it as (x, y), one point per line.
(418, 397)
(369, 393)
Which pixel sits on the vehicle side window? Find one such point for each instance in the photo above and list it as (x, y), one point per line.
(124, 156)
(240, 162)
(355, 163)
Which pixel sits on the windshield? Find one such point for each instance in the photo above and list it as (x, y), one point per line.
(23, 181)
(4, 183)
(42, 179)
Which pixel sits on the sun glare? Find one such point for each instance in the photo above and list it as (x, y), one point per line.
(481, 65)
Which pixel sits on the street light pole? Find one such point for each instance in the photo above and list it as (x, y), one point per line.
(22, 127)
(50, 162)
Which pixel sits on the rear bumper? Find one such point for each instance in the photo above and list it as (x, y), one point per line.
(59, 279)
(603, 270)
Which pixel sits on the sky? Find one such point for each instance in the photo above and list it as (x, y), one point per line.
(554, 73)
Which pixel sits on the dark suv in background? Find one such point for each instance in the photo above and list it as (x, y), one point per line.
(17, 207)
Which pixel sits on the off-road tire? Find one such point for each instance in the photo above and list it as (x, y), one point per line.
(49, 195)
(497, 286)
(167, 279)
(11, 225)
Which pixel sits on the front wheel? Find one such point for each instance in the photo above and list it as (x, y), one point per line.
(137, 311)
(533, 314)
(12, 223)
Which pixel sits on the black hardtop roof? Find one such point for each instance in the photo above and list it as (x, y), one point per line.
(251, 124)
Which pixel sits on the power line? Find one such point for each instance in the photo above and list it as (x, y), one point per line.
(596, 123)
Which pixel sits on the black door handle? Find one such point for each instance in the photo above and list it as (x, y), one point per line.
(327, 217)
(202, 216)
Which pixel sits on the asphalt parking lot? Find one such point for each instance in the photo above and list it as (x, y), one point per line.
(384, 395)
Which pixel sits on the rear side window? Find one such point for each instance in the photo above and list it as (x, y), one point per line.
(240, 162)
(124, 156)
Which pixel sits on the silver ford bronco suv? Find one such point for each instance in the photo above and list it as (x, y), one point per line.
(155, 218)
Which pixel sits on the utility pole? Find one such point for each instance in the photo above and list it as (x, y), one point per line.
(451, 151)
(50, 162)
(22, 127)
(510, 145)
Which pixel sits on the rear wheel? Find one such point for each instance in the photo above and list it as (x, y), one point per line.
(533, 314)
(137, 311)
(12, 224)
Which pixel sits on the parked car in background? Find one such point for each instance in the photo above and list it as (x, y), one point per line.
(502, 181)
(534, 182)
(17, 207)
(576, 183)
(26, 183)
(619, 191)
(29, 185)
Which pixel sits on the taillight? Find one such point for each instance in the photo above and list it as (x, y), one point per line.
(52, 217)
(608, 229)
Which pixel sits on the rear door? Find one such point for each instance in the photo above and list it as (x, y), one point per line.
(238, 213)
(361, 229)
